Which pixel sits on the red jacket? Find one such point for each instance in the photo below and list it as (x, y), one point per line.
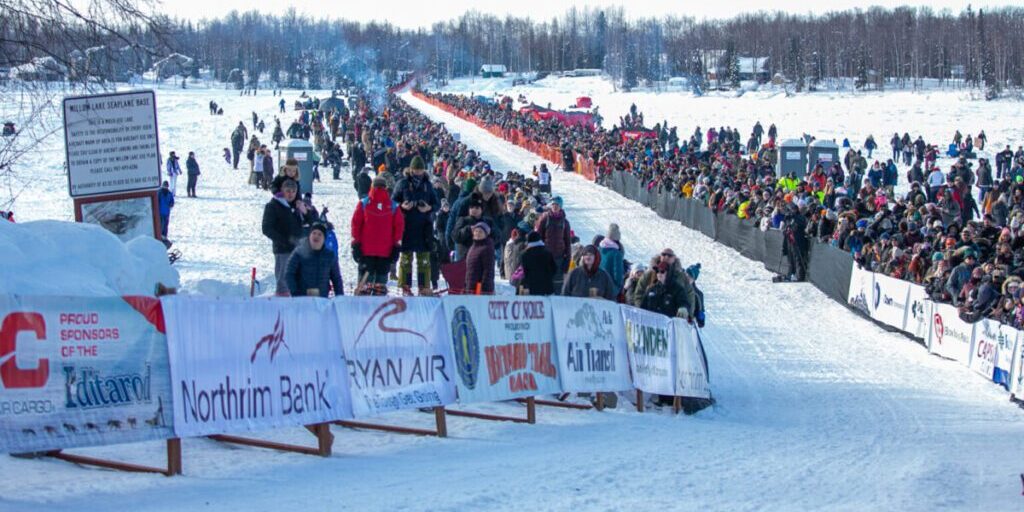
(377, 224)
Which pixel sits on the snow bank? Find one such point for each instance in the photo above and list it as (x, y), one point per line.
(67, 258)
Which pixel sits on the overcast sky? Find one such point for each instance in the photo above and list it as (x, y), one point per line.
(422, 13)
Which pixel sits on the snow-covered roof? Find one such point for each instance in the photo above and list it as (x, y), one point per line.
(753, 64)
(492, 68)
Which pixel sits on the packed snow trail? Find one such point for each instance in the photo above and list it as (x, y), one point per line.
(815, 404)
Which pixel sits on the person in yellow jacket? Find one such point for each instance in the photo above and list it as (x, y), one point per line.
(741, 212)
(688, 189)
(790, 182)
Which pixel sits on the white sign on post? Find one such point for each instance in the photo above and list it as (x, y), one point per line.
(110, 142)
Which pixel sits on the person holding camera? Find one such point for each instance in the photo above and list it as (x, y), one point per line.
(416, 197)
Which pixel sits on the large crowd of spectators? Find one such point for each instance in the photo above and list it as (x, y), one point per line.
(957, 231)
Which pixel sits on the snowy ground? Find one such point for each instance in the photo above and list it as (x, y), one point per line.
(817, 408)
(934, 114)
(218, 233)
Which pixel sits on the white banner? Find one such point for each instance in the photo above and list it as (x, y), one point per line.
(82, 372)
(503, 346)
(986, 344)
(591, 345)
(1009, 341)
(250, 364)
(862, 284)
(691, 362)
(918, 319)
(397, 351)
(889, 300)
(1017, 374)
(652, 352)
(950, 337)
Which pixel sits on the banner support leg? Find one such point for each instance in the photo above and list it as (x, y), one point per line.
(531, 410)
(639, 401)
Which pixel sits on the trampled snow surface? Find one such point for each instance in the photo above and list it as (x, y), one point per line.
(817, 408)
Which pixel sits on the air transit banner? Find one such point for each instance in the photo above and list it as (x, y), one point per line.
(77, 371)
(503, 347)
(591, 345)
(398, 353)
(253, 364)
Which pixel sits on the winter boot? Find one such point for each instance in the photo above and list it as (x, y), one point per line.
(426, 292)
(407, 291)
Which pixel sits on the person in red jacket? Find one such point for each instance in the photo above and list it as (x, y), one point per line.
(377, 226)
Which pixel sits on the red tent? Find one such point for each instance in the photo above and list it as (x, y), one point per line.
(583, 102)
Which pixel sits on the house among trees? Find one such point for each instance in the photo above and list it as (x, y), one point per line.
(492, 70)
(174, 64)
(725, 66)
(41, 69)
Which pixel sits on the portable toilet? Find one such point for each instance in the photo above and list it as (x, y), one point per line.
(822, 151)
(792, 158)
(302, 151)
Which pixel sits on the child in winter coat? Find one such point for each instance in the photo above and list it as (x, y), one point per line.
(480, 261)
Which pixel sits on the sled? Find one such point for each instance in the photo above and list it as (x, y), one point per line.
(455, 275)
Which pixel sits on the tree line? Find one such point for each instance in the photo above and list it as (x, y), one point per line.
(887, 47)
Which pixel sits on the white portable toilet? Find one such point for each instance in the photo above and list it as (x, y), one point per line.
(792, 158)
(824, 152)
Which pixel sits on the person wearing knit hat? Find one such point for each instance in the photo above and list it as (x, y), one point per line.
(480, 260)
(538, 267)
(312, 269)
(613, 232)
(377, 229)
(418, 201)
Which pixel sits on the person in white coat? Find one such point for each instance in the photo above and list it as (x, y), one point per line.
(173, 171)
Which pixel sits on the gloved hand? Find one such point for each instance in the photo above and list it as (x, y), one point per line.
(700, 319)
(395, 252)
(357, 253)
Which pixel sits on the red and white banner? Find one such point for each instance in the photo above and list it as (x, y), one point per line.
(397, 351)
(504, 347)
(949, 336)
(251, 364)
(78, 371)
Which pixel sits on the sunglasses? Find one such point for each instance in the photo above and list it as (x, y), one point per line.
(662, 272)
(668, 255)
